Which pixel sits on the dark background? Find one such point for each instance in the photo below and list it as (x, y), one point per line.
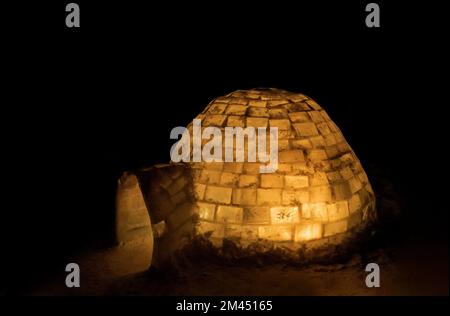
(90, 103)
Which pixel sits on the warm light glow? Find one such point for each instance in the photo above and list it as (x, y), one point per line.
(307, 232)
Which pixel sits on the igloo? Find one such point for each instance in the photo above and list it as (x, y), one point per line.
(319, 195)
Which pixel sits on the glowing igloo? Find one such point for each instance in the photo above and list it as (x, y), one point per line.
(318, 195)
